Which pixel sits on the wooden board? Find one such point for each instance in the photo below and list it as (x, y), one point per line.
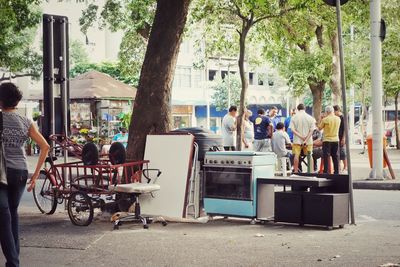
(172, 154)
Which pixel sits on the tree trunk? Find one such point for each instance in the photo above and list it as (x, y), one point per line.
(335, 79)
(152, 107)
(396, 119)
(317, 90)
(245, 30)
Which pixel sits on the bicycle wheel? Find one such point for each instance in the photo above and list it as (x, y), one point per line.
(80, 209)
(44, 195)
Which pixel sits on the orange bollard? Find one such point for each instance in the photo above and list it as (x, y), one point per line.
(321, 167)
(369, 144)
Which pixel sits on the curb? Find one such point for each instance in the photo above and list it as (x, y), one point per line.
(376, 185)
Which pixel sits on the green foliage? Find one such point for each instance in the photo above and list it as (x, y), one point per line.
(111, 69)
(125, 119)
(134, 18)
(18, 23)
(391, 48)
(220, 97)
(77, 53)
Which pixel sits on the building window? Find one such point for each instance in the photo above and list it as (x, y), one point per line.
(182, 77)
(224, 73)
(251, 78)
(261, 79)
(211, 75)
(196, 78)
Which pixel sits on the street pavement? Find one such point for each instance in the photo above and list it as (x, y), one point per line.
(373, 241)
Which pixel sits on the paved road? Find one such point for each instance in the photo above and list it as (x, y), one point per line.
(53, 241)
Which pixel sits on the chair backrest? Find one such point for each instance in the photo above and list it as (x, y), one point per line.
(151, 175)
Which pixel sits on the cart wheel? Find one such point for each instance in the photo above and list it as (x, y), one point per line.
(90, 154)
(117, 153)
(80, 209)
(145, 226)
(341, 226)
(164, 223)
(44, 195)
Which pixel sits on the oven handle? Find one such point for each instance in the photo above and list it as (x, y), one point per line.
(227, 166)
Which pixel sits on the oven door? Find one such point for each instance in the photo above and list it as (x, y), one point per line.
(228, 183)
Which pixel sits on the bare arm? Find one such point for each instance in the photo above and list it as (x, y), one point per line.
(44, 149)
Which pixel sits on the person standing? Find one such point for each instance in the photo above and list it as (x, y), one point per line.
(287, 124)
(330, 141)
(273, 116)
(229, 129)
(262, 131)
(342, 138)
(302, 126)
(248, 132)
(16, 130)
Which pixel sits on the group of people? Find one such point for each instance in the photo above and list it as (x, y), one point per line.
(297, 138)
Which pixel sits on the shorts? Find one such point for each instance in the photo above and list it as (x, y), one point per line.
(296, 149)
(342, 153)
(262, 145)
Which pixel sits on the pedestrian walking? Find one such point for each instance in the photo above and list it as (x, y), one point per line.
(248, 132)
(302, 126)
(229, 129)
(16, 130)
(330, 140)
(262, 132)
(342, 138)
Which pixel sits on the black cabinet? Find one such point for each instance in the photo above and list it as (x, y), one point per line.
(330, 209)
(288, 207)
(325, 209)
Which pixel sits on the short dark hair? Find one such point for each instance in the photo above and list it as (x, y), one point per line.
(336, 108)
(274, 107)
(261, 111)
(232, 108)
(10, 95)
(300, 107)
(123, 130)
(279, 125)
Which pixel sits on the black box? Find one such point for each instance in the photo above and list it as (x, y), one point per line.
(288, 207)
(327, 209)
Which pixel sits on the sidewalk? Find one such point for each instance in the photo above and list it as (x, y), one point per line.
(360, 170)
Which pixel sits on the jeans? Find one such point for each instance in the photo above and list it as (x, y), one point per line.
(10, 196)
(330, 149)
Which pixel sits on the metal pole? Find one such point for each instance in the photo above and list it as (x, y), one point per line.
(229, 87)
(351, 112)
(346, 126)
(63, 82)
(376, 94)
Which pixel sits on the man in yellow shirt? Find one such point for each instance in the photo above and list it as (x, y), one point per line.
(330, 141)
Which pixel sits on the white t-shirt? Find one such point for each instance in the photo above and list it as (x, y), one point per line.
(229, 130)
(303, 124)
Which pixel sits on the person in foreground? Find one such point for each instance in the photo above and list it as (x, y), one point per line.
(16, 130)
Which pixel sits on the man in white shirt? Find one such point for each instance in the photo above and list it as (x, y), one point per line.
(229, 129)
(302, 126)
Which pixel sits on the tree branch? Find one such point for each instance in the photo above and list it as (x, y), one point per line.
(318, 32)
(3, 78)
(238, 11)
(282, 12)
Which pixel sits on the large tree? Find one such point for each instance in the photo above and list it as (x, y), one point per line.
(18, 23)
(242, 16)
(152, 103)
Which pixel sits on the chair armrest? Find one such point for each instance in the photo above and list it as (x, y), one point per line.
(146, 174)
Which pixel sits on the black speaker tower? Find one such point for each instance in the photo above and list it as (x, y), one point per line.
(56, 119)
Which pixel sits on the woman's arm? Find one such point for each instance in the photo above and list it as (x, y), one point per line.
(44, 150)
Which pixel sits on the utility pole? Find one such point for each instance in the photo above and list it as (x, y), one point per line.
(376, 90)
(351, 112)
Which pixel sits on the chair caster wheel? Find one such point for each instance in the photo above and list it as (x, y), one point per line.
(164, 223)
(145, 226)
